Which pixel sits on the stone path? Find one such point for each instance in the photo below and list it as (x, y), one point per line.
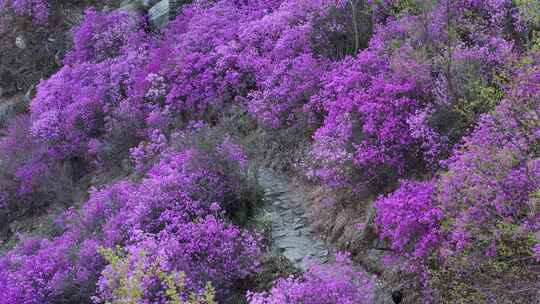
(291, 233)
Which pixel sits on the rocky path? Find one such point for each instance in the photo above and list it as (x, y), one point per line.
(291, 232)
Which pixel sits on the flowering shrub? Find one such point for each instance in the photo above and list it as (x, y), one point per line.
(38, 10)
(482, 209)
(504, 139)
(173, 214)
(66, 267)
(367, 104)
(321, 284)
(208, 251)
(285, 68)
(410, 218)
(20, 154)
(66, 109)
(192, 62)
(36, 271)
(132, 285)
(491, 213)
(101, 36)
(86, 102)
(30, 182)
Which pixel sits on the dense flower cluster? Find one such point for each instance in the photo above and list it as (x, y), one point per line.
(409, 216)
(392, 110)
(482, 208)
(321, 284)
(101, 36)
(38, 10)
(490, 181)
(93, 102)
(173, 215)
(368, 104)
(285, 68)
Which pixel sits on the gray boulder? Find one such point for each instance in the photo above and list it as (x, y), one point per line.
(137, 7)
(20, 42)
(149, 3)
(158, 15)
(12, 106)
(143, 4)
(159, 12)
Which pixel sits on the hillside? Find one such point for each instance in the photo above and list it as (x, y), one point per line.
(269, 151)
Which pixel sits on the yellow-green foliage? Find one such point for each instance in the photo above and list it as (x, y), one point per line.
(468, 277)
(534, 44)
(126, 283)
(529, 11)
(126, 287)
(483, 99)
(477, 96)
(404, 7)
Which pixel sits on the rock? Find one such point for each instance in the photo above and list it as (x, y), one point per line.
(137, 7)
(294, 256)
(298, 212)
(279, 234)
(149, 3)
(175, 6)
(20, 42)
(9, 108)
(144, 4)
(159, 14)
(298, 223)
(293, 242)
(6, 113)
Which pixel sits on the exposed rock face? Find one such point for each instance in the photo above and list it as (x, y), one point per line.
(137, 7)
(149, 3)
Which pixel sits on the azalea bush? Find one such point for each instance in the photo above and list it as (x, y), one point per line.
(174, 214)
(365, 134)
(126, 285)
(101, 36)
(482, 209)
(38, 10)
(321, 284)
